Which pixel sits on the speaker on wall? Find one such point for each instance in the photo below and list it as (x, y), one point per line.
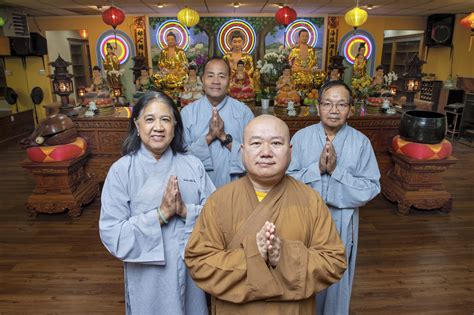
(38, 45)
(439, 30)
(19, 46)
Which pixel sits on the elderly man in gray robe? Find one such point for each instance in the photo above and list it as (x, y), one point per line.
(214, 125)
(337, 161)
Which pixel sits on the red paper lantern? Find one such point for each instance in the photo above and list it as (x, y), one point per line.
(113, 16)
(285, 16)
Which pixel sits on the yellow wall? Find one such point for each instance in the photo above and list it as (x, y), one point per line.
(93, 24)
(438, 58)
(23, 75)
(439, 61)
(377, 25)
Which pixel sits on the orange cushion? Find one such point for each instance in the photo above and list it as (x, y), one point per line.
(422, 151)
(58, 153)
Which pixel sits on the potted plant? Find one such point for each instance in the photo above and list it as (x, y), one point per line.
(264, 96)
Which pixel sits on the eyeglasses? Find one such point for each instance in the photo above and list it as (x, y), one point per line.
(326, 106)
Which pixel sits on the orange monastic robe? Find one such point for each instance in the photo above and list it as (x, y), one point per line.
(223, 258)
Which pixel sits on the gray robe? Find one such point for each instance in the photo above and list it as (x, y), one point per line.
(221, 164)
(354, 182)
(156, 278)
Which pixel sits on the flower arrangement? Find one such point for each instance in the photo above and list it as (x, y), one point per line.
(390, 77)
(360, 86)
(272, 64)
(197, 56)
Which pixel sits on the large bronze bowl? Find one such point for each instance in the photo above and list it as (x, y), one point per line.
(423, 126)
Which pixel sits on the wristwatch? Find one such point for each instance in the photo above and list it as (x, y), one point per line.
(228, 139)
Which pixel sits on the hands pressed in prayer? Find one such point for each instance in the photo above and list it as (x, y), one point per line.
(262, 242)
(269, 244)
(216, 127)
(172, 203)
(332, 158)
(180, 206)
(328, 158)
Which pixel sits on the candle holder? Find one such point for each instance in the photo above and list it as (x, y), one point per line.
(62, 85)
(411, 82)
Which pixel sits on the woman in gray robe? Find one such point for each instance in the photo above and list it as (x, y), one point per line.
(150, 201)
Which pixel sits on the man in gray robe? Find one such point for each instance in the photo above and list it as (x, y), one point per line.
(337, 161)
(214, 125)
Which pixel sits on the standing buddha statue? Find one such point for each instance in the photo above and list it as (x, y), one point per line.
(302, 59)
(112, 67)
(236, 54)
(360, 63)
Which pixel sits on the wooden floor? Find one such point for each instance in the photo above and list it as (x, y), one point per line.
(418, 264)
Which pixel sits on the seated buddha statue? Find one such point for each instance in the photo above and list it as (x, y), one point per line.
(378, 81)
(98, 82)
(236, 55)
(192, 87)
(286, 89)
(302, 59)
(143, 83)
(172, 65)
(240, 86)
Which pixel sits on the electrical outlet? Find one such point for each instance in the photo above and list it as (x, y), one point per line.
(42, 72)
(12, 118)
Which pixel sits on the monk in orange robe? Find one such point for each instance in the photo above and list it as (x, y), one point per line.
(266, 243)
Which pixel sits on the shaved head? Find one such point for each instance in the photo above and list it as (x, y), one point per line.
(263, 120)
(266, 151)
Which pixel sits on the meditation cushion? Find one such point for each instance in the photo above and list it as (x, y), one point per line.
(57, 153)
(422, 151)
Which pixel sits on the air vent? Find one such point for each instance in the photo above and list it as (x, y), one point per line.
(16, 24)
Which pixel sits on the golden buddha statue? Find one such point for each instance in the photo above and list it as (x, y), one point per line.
(240, 86)
(286, 89)
(172, 65)
(236, 55)
(112, 67)
(360, 63)
(302, 59)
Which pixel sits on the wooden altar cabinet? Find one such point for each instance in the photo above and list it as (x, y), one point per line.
(105, 135)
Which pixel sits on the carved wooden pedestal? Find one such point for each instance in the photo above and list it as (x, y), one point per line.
(417, 183)
(60, 186)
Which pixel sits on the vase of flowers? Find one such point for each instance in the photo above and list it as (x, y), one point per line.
(272, 65)
(265, 95)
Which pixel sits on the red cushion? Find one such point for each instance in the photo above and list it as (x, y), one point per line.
(58, 153)
(422, 151)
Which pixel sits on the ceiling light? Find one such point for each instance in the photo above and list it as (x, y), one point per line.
(160, 5)
(280, 5)
(236, 4)
(370, 7)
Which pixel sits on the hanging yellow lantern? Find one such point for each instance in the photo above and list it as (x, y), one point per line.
(356, 17)
(188, 17)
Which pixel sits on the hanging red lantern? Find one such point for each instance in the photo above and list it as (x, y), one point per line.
(113, 16)
(285, 16)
